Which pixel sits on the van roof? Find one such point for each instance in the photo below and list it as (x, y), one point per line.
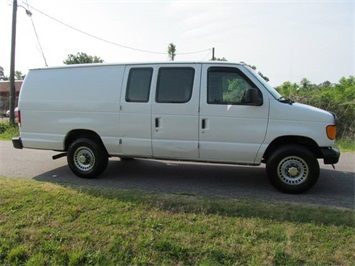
(138, 63)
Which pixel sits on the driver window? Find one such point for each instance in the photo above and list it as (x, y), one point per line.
(231, 86)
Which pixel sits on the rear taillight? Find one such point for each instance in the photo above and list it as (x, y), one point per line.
(19, 117)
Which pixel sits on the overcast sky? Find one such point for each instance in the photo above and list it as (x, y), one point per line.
(286, 40)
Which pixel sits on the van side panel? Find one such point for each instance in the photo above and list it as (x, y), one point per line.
(135, 114)
(56, 101)
(175, 117)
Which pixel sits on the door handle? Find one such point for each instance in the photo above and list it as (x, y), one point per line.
(204, 123)
(157, 122)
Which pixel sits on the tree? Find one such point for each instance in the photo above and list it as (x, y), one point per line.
(288, 89)
(243, 63)
(338, 98)
(19, 75)
(2, 76)
(172, 51)
(264, 77)
(219, 59)
(254, 67)
(82, 58)
(306, 84)
(325, 84)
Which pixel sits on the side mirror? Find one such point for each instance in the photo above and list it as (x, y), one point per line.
(253, 97)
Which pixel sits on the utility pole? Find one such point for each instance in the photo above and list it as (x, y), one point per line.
(12, 64)
(213, 58)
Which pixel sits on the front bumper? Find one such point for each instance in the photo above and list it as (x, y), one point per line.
(330, 155)
(17, 143)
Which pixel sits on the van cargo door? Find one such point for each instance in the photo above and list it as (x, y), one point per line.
(175, 112)
(135, 112)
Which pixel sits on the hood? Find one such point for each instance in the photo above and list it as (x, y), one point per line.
(299, 112)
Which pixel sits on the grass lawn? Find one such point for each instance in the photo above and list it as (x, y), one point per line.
(346, 145)
(47, 224)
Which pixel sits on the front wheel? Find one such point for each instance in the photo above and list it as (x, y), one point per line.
(292, 169)
(86, 158)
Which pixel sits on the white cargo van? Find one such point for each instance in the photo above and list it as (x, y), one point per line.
(207, 112)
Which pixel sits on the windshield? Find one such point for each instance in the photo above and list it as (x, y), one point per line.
(273, 92)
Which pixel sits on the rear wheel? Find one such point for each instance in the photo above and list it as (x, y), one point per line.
(87, 158)
(293, 169)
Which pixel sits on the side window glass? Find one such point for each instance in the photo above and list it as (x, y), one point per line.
(175, 85)
(138, 85)
(231, 86)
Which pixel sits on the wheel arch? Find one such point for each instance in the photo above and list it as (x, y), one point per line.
(308, 143)
(82, 133)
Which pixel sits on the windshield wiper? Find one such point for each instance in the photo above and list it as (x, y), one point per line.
(285, 100)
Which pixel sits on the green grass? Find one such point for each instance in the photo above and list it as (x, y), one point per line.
(346, 145)
(8, 131)
(46, 224)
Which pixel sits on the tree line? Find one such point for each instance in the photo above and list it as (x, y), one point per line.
(338, 98)
(18, 75)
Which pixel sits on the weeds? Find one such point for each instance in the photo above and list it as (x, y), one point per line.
(8, 131)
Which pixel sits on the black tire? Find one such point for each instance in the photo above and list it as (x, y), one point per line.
(87, 158)
(293, 169)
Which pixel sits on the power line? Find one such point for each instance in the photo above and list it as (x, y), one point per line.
(209, 52)
(34, 28)
(110, 42)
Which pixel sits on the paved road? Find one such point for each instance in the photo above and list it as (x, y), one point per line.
(335, 187)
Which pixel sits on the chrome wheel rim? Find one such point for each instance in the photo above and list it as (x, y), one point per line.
(293, 170)
(84, 159)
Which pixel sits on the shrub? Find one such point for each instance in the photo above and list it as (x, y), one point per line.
(8, 131)
(338, 98)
